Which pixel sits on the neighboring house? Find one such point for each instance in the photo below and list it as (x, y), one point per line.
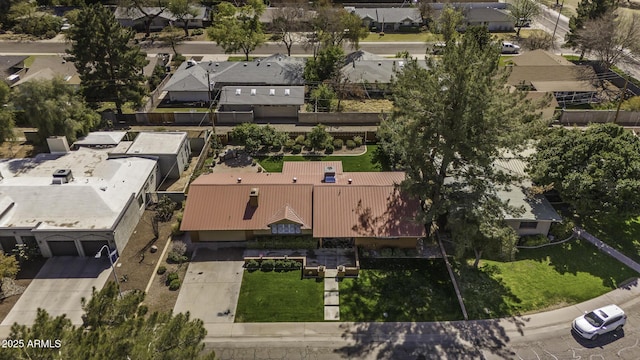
(11, 66)
(270, 13)
(101, 139)
(48, 67)
(171, 149)
(201, 81)
(73, 203)
(382, 19)
(374, 72)
(540, 70)
(248, 103)
(538, 213)
(494, 19)
(312, 198)
(134, 18)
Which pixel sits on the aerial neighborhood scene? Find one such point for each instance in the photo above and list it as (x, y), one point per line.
(325, 179)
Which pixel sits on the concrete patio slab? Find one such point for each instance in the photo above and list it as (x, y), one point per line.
(59, 287)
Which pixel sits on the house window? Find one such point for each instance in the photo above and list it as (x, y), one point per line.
(140, 202)
(285, 229)
(528, 224)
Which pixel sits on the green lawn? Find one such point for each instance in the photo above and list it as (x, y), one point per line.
(624, 235)
(401, 37)
(418, 291)
(367, 162)
(541, 278)
(279, 297)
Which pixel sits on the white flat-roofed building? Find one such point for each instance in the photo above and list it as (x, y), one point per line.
(73, 203)
(172, 149)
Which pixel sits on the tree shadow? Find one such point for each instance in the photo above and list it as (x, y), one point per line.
(400, 296)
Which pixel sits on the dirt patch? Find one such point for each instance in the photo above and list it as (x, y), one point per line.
(160, 298)
(27, 273)
(376, 106)
(19, 150)
(137, 262)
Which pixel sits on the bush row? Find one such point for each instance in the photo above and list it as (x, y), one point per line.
(270, 265)
(283, 242)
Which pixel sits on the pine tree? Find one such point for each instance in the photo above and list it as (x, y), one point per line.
(110, 66)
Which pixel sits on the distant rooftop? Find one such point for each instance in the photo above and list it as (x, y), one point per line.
(262, 95)
(110, 138)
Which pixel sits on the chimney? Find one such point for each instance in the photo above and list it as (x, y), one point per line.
(253, 197)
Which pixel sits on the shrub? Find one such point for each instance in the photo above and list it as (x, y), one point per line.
(289, 144)
(176, 258)
(179, 247)
(300, 140)
(338, 144)
(268, 265)
(328, 149)
(282, 265)
(197, 32)
(175, 229)
(252, 264)
(174, 285)
(162, 270)
(171, 277)
(386, 252)
(534, 240)
(563, 230)
(307, 144)
(296, 149)
(358, 140)
(351, 144)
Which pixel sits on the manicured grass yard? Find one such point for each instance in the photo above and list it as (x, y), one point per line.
(279, 297)
(541, 278)
(419, 291)
(366, 162)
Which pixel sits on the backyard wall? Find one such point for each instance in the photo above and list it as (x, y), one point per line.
(340, 118)
(585, 117)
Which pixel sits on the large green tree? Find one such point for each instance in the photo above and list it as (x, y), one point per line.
(238, 28)
(597, 171)
(325, 66)
(109, 64)
(319, 137)
(333, 26)
(184, 11)
(55, 108)
(113, 329)
(7, 121)
(524, 11)
(151, 9)
(449, 124)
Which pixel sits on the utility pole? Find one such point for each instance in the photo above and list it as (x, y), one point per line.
(624, 92)
(553, 37)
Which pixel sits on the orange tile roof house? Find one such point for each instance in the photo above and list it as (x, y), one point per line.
(307, 198)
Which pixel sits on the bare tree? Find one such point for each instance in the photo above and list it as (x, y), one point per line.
(151, 9)
(287, 20)
(610, 37)
(524, 11)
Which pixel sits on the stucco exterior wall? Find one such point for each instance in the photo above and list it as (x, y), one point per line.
(542, 228)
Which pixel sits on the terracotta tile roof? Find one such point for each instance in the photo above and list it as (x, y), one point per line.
(363, 211)
(226, 207)
(310, 167)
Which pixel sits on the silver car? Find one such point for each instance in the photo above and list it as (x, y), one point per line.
(600, 321)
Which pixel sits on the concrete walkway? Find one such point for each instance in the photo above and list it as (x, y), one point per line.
(583, 234)
(331, 295)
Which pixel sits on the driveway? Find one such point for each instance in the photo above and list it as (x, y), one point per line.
(212, 284)
(58, 288)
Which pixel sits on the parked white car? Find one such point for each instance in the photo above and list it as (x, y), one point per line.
(509, 48)
(600, 321)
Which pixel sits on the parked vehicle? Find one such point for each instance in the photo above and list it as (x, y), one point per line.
(509, 48)
(599, 321)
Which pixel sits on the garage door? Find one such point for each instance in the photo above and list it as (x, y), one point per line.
(91, 247)
(63, 248)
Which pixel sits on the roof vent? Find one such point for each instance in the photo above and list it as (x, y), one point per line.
(350, 181)
(401, 64)
(253, 197)
(329, 175)
(191, 63)
(269, 64)
(217, 64)
(287, 92)
(238, 91)
(272, 92)
(245, 64)
(62, 176)
(295, 179)
(379, 64)
(253, 92)
(239, 180)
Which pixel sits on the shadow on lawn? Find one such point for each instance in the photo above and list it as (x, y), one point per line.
(419, 290)
(623, 235)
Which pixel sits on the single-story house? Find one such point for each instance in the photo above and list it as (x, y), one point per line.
(134, 18)
(383, 19)
(313, 198)
(11, 66)
(494, 19)
(540, 70)
(202, 81)
(374, 72)
(73, 203)
(246, 103)
(304, 20)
